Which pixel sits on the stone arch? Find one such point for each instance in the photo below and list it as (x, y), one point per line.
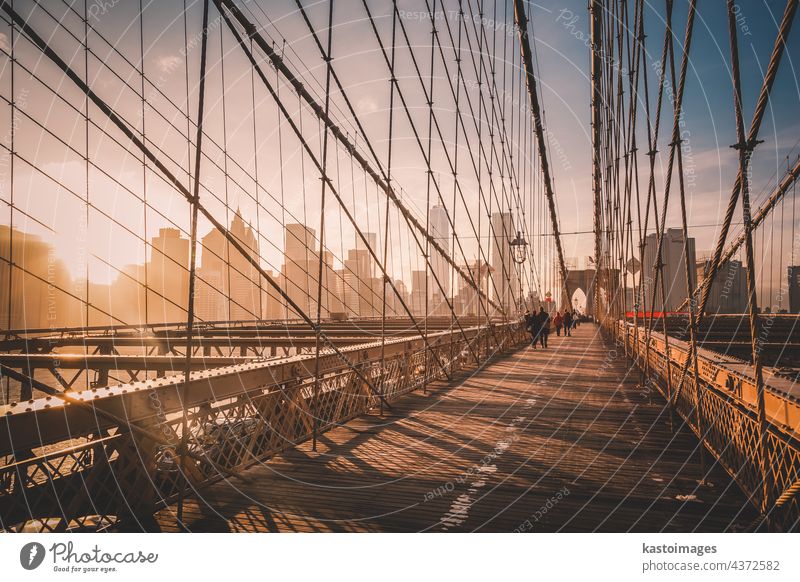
(582, 279)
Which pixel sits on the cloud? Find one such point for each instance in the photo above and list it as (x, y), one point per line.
(366, 105)
(169, 63)
(4, 44)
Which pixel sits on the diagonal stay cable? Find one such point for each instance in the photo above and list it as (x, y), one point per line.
(330, 186)
(123, 127)
(278, 63)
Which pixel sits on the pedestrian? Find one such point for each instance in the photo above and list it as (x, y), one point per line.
(531, 325)
(567, 322)
(558, 321)
(544, 326)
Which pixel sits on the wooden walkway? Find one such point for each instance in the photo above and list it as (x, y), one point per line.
(540, 440)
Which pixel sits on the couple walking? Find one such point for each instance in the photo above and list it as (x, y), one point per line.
(538, 324)
(566, 321)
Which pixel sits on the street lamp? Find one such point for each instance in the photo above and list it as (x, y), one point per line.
(519, 249)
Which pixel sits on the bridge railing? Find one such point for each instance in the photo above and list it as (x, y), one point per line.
(112, 455)
(723, 414)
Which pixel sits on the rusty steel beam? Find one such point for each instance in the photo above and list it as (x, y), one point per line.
(34, 423)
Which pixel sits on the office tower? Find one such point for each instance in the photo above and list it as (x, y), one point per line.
(244, 276)
(228, 285)
(168, 277)
(211, 293)
(360, 294)
(794, 288)
(674, 270)
(439, 228)
(300, 267)
(332, 302)
(467, 299)
(504, 270)
(361, 248)
(273, 304)
(399, 298)
(729, 290)
(39, 284)
(418, 292)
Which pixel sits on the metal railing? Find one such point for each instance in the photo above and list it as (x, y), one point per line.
(111, 456)
(722, 412)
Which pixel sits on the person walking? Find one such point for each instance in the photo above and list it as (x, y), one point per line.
(544, 326)
(567, 322)
(531, 324)
(558, 321)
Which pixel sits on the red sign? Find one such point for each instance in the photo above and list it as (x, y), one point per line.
(653, 314)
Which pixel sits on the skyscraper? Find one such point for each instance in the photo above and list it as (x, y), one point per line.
(418, 292)
(168, 277)
(504, 270)
(300, 267)
(674, 270)
(228, 285)
(245, 290)
(439, 227)
(729, 290)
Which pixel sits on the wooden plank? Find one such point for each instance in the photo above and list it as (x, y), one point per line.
(561, 439)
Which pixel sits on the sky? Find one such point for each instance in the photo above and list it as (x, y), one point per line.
(146, 66)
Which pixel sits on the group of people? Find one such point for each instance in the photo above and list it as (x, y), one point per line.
(538, 324)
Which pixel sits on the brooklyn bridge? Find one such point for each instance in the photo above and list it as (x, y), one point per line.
(399, 265)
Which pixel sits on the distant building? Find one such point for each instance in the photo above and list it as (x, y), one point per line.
(467, 300)
(239, 294)
(794, 289)
(506, 288)
(439, 227)
(372, 241)
(674, 269)
(168, 277)
(418, 292)
(40, 285)
(300, 267)
(729, 290)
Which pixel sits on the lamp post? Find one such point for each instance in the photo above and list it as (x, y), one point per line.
(519, 249)
(519, 253)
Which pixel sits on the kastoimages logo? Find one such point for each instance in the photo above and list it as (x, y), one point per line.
(31, 555)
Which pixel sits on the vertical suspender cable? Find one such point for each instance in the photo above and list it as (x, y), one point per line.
(328, 58)
(192, 258)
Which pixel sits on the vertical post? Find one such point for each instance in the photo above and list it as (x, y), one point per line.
(315, 398)
(392, 87)
(192, 261)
